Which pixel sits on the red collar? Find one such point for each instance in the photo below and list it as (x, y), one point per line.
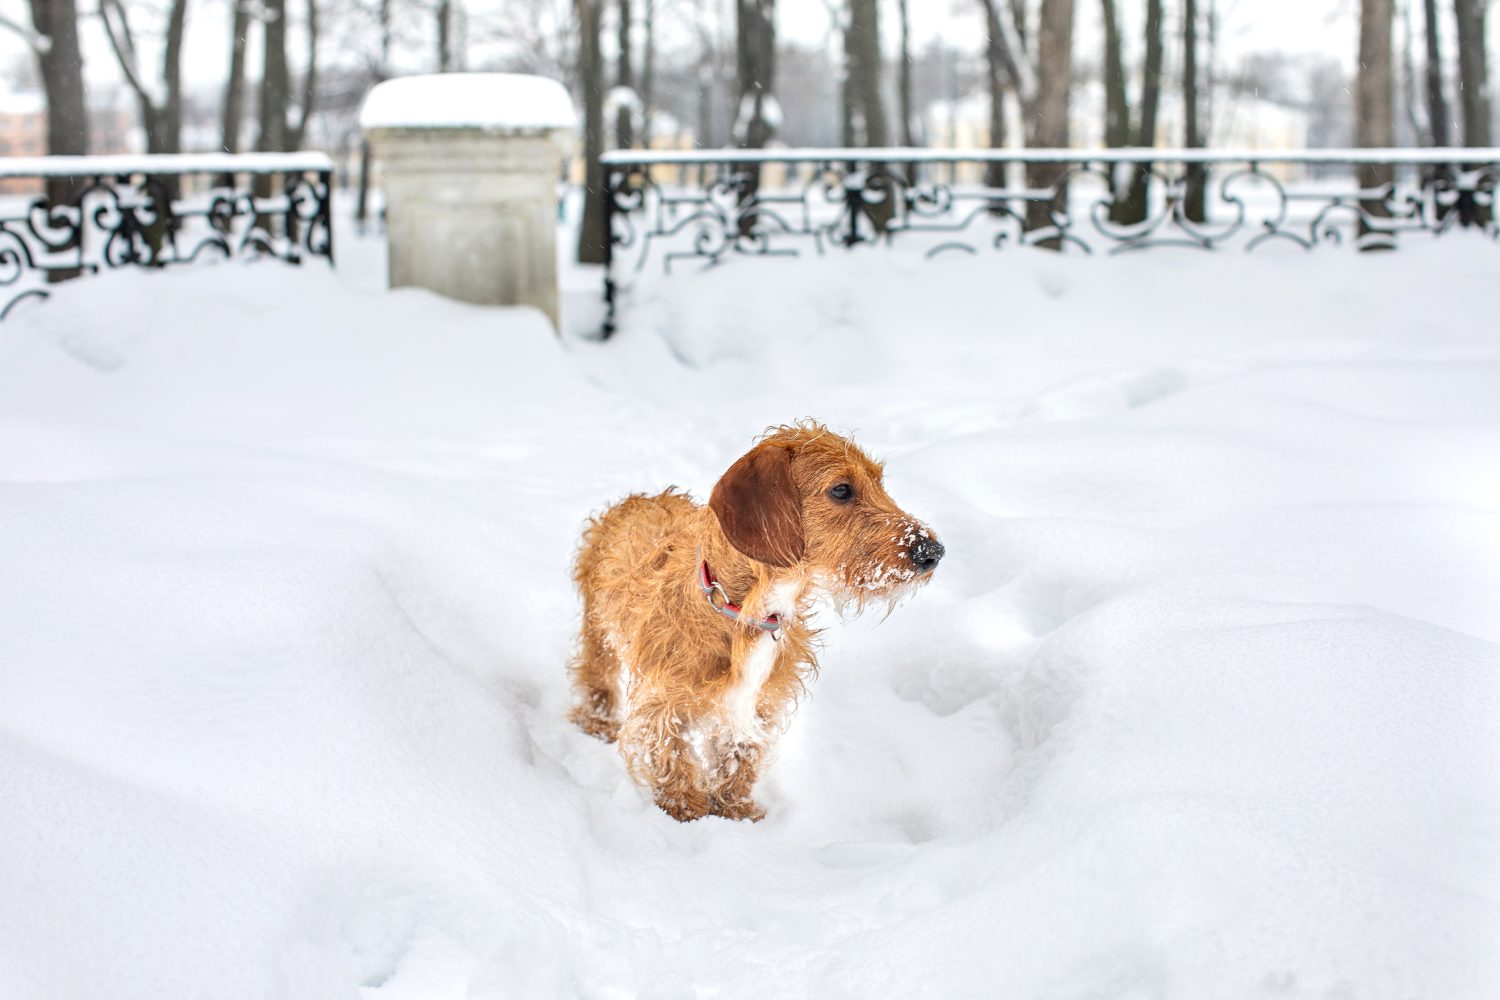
(711, 586)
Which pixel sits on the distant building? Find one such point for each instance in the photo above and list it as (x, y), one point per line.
(23, 132)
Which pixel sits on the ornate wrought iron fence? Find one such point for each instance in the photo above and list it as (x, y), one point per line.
(102, 212)
(712, 206)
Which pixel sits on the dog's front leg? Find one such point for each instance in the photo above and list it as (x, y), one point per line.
(738, 770)
(657, 744)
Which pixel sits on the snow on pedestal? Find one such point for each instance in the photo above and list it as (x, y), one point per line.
(470, 163)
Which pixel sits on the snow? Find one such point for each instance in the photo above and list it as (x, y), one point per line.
(1200, 703)
(474, 100)
(162, 163)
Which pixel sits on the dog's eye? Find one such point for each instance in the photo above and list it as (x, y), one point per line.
(842, 493)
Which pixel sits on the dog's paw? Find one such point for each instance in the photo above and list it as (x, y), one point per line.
(683, 807)
(743, 809)
(598, 726)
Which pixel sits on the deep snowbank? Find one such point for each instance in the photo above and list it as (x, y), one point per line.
(1201, 704)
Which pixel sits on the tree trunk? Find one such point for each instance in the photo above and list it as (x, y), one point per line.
(849, 127)
(592, 238)
(864, 73)
(67, 112)
(171, 72)
(1374, 120)
(234, 90)
(755, 71)
(863, 31)
(1421, 134)
(309, 79)
(1049, 115)
(997, 71)
(1138, 202)
(1116, 102)
(275, 87)
(382, 71)
(705, 128)
(62, 77)
(1193, 193)
(624, 76)
(1437, 99)
(445, 36)
(903, 76)
(648, 68)
(1117, 125)
(275, 90)
(1151, 80)
(755, 63)
(1473, 71)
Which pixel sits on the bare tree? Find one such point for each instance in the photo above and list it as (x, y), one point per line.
(298, 132)
(53, 39)
(234, 89)
(1194, 205)
(444, 14)
(1116, 101)
(707, 58)
(1410, 104)
(1473, 70)
(1137, 202)
(997, 72)
(592, 238)
(161, 116)
(624, 74)
(1040, 69)
(648, 67)
(903, 76)
(379, 71)
(1374, 118)
(755, 61)
(862, 48)
(275, 81)
(1049, 118)
(540, 36)
(838, 17)
(1437, 100)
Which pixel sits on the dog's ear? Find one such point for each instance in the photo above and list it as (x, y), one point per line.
(759, 508)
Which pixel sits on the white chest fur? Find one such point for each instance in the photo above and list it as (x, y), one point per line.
(742, 699)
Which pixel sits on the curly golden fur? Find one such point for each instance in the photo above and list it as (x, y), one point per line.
(696, 699)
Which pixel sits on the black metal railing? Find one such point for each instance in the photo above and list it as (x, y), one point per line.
(715, 205)
(89, 213)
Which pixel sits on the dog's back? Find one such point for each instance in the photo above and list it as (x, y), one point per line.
(629, 540)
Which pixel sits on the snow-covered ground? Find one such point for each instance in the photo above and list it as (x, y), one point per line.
(1204, 701)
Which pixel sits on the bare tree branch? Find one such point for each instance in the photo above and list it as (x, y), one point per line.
(1008, 34)
(38, 42)
(124, 47)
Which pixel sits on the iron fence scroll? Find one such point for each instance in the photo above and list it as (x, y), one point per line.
(108, 212)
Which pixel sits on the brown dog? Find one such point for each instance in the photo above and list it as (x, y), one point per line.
(694, 646)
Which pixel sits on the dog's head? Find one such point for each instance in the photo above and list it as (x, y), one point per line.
(804, 496)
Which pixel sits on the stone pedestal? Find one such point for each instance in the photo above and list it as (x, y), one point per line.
(471, 205)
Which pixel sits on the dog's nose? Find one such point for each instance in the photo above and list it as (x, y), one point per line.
(925, 553)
